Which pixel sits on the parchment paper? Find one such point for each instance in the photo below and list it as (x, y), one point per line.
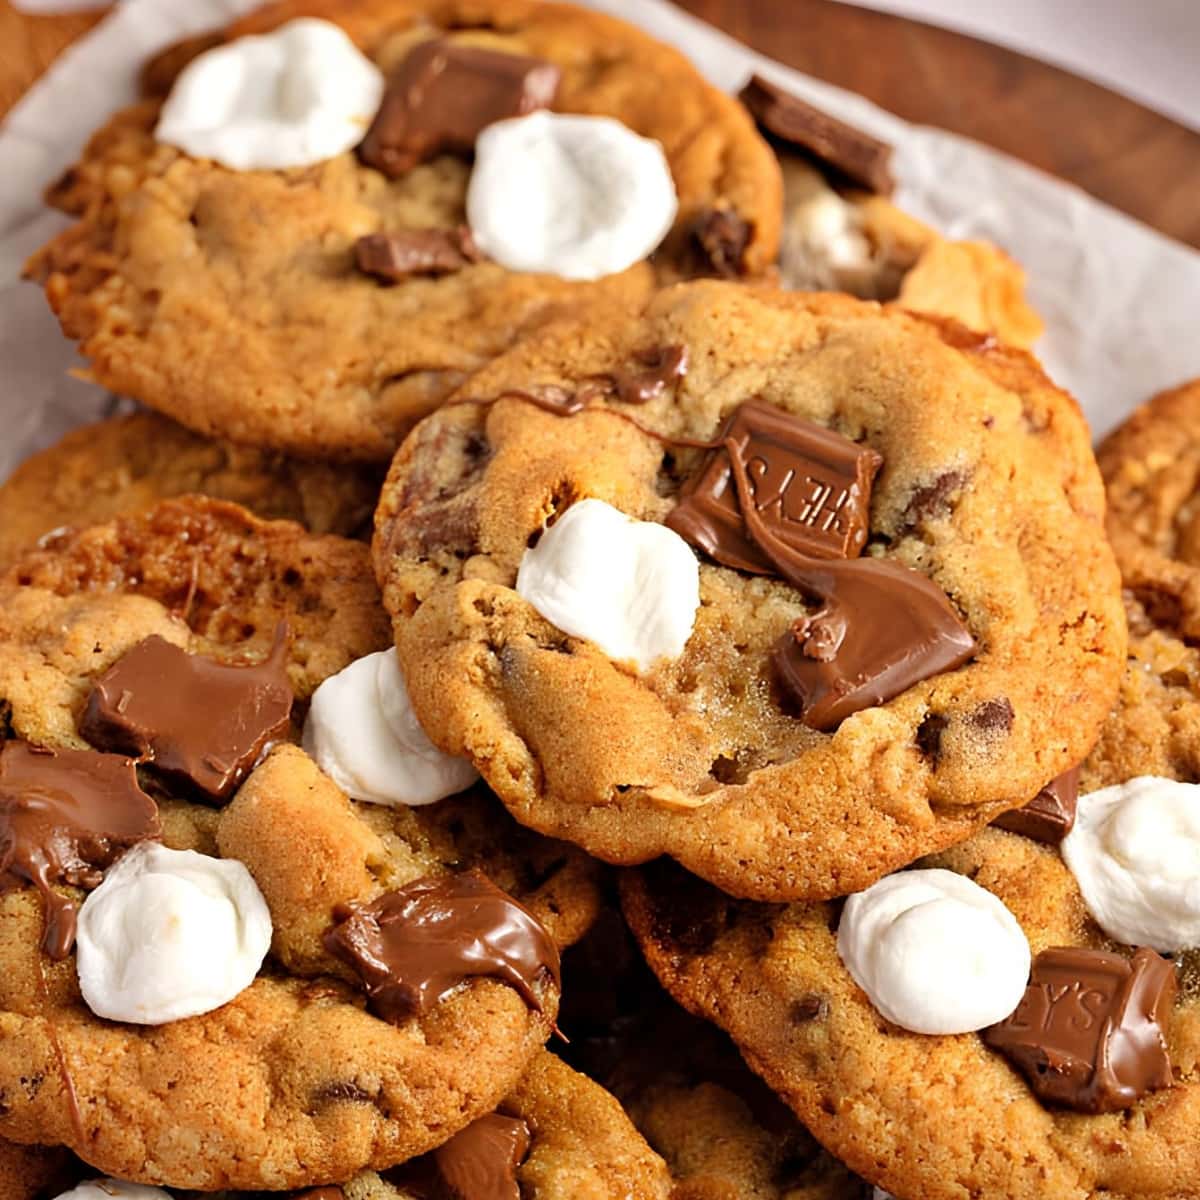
(1121, 302)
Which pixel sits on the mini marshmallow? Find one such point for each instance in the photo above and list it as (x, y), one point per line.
(170, 934)
(113, 1189)
(364, 735)
(934, 952)
(578, 197)
(1135, 853)
(632, 587)
(290, 98)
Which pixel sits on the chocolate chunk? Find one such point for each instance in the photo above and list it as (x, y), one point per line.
(994, 716)
(479, 1163)
(65, 816)
(853, 154)
(414, 946)
(391, 257)
(811, 487)
(931, 502)
(1049, 816)
(1089, 1032)
(662, 367)
(202, 723)
(718, 238)
(443, 94)
(879, 629)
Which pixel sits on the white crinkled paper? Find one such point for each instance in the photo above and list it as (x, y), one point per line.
(1121, 302)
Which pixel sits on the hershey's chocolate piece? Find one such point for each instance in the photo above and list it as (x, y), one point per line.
(443, 94)
(719, 238)
(661, 367)
(856, 155)
(200, 722)
(1090, 1030)
(1048, 817)
(65, 816)
(880, 627)
(413, 946)
(391, 257)
(478, 1163)
(810, 486)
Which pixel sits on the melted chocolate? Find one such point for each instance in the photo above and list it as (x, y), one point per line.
(853, 154)
(880, 627)
(1089, 1032)
(443, 94)
(810, 485)
(413, 946)
(391, 257)
(479, 1163)
(660, 367)
(719, 238)
(200, 722)
(1049, 816)
(65, 816)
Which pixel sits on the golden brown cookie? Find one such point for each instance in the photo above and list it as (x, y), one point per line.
(988, 488)
(1151, 467)
(294, 1082)
(865, 245)
(130, 463)
(230, 300)
(929, 1116)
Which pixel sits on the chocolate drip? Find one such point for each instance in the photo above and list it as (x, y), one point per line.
(479, 1163)
(391, 257)
(880, 627)
(66, 816)
(1049, 816)
(661, 367)
(443, 94)
(853, 154)
(1090, 1031)
(202, 723)
(413, 946)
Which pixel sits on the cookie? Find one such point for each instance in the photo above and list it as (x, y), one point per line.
(231, 300)
(131, 462)
(865, 245)
(710, 754)
(922, 1115)
(32, 1172)
(1151, 467)
(722, 1132)
(302, 1075)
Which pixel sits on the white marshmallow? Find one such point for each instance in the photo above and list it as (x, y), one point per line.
(1135, 853)
(632, 587)
(170, 934)
(935, 952)
(290, 98)
(364, 735)
(113, 1189)
(578, 197)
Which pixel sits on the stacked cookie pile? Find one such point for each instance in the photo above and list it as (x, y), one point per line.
(586, 555)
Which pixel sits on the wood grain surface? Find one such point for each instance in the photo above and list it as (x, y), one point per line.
(1116, 149)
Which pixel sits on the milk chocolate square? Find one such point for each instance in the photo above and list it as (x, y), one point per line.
(443, 94)
(1090, 1031)
(811, 486)
(1049, 816)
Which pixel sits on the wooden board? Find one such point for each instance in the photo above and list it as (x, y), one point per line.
(1114, 148)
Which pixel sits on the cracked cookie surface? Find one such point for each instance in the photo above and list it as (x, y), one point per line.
(988, 487)
(180, 298)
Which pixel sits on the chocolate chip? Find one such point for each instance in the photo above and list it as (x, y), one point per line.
(341, 1091)
(392, 257)
(929, 735)
(931, 502)
(809, 1007)
(994, 716)
(718, 239)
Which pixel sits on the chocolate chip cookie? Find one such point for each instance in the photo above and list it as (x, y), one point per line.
(325, 1063)
(237, 302)
(784, 751)
(937, 1116)
(131, 462)
(32, 1172)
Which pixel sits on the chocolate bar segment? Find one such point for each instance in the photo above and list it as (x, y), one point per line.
(478, 1163)
(391, 257)
(811, 487)
(443, 94)
(1090, 1031)
(1048, 817)
(857, 156)
(718, 238)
